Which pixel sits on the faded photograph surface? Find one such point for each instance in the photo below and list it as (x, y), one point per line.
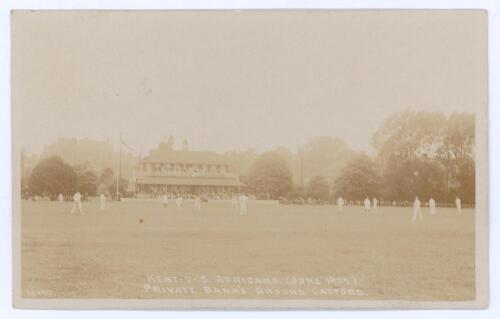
(250, 155)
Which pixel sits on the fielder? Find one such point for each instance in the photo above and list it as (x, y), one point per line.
(103, 201)
(234, 202)
(367, 204)
(416, 210)
(77, 203)
(458, 203)
(60, 198)
(164, 200)
(178, 201)
(432, 206)
(340, 204)
(197, 203)
(243, 204)
(375, 202)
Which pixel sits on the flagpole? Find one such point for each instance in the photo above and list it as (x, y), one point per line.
(119, 177)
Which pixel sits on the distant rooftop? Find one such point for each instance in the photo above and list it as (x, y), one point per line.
(165, 154)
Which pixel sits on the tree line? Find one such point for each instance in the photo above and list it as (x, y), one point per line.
(52, 176)
(424, 154)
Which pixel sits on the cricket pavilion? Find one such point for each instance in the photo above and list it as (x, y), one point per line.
(185, 172)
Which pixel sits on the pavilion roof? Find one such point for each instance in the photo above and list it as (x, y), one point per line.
(193, 181)
(185, 157)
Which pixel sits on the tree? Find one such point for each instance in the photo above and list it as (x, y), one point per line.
(287, 155)
(427, 154)
(405, 179)
(107, 182)
(270, 176)
(409, 135)
(87, 180)
(241, 162)
(52, 176)
(106, 177)
(466, 178)
(297, 192)
(458, 156)
(318, 188)
(358, 179)
(322, 156)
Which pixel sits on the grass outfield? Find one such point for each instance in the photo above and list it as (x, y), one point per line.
(112, 254)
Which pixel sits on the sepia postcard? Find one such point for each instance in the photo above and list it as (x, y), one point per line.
(250, 159)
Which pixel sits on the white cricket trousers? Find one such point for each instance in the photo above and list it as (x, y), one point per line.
(416, 214)
(77, 205)
(243, 209)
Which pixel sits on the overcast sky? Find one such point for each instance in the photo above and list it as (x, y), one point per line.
(239, 80)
